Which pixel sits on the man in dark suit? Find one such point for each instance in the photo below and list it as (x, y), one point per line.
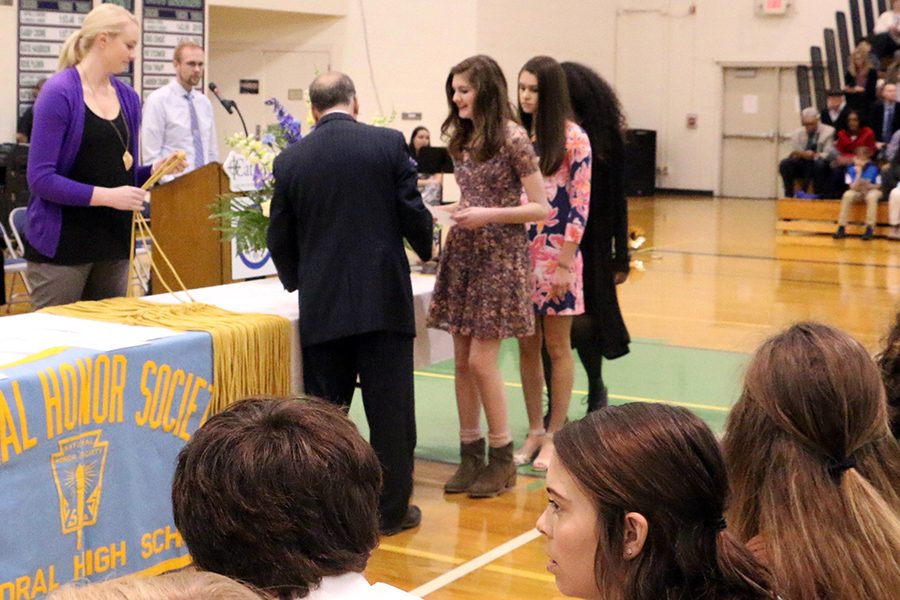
(884, 118)
(836, 110)
(345, 197)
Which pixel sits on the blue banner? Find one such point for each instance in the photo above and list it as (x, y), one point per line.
(88, 443)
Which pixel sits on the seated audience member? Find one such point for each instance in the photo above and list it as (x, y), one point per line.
(836, 110)
(886, 40)
(636, 501)
(814, 470)
(860, 80)
(889, 361)
(884, 118)
(853, 136)
(812, 150)
(282, 494)
(863, 181)
(894, 209)
(892, 74)
(430, 184)
(183, 585)
(26, 119)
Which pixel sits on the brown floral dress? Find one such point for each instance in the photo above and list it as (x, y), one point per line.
(484, 280)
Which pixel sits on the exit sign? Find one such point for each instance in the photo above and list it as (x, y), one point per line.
(774, 7)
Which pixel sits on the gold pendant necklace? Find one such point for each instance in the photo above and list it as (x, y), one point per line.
(127, 158)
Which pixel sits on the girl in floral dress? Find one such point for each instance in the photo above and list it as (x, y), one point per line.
(565, 162)
(483, 288)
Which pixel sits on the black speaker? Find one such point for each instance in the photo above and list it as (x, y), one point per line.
(640, 162)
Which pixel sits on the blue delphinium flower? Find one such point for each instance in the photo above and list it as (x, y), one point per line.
(290, 126)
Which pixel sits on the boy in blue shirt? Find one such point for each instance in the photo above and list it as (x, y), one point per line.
(864, 179)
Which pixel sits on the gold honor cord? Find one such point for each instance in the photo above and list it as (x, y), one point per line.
(251, 352)
(140, 227)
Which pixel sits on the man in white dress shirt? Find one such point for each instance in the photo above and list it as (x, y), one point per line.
(179, 117)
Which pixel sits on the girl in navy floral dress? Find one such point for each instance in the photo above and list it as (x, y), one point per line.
(565, 161)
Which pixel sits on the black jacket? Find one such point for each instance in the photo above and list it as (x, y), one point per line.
(345, 197)
(876, 120)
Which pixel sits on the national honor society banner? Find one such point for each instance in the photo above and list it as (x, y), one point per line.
(88, 443)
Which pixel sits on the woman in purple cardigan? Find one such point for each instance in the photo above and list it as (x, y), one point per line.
(81, 169)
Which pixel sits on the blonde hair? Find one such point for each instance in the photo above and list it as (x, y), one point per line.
(814, 469)
(183, 585)
(106, 18)
(860, 58)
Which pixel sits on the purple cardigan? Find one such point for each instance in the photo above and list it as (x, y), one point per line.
(55, 140)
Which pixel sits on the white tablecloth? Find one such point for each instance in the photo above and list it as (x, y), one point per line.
(267, 296)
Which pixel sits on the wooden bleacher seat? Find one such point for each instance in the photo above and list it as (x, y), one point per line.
(820, 216)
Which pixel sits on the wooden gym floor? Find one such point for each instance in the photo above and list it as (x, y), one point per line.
(712, 281)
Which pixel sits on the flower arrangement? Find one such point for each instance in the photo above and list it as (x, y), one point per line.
(244, 215)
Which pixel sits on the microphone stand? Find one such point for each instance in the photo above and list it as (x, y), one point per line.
(243, 124)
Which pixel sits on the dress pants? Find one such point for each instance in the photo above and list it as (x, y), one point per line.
(850, 196)
(383, 361)
(817, 171)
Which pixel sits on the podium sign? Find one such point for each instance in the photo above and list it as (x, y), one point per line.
(245, 265)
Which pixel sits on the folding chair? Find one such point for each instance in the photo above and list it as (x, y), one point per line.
(14, 264)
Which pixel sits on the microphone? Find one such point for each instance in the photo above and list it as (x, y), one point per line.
(227, 104)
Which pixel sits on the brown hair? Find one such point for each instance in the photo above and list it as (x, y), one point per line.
(485, 133)
(814, 469)
(176, 55)
(889, 361)
(664, 463)
(278, 492)
(553, 110)
(182, 585)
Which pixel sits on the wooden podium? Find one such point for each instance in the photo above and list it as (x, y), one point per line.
(179, 219)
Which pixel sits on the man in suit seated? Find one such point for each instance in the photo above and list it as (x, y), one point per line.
(811, 152)
(884, 118)
(345, 198)
(835, 112)
(282, 494)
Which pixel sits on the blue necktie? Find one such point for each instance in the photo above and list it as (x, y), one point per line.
(887, 128)
(199, 158)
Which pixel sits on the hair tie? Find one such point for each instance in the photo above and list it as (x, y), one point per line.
(837, 468)
(720, 524)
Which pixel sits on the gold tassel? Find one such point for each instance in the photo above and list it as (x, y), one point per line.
(251, 352)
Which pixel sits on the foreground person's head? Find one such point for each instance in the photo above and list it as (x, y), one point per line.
(278, 493)
(637, 496)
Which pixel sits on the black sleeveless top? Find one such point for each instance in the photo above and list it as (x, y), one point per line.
(95, 233)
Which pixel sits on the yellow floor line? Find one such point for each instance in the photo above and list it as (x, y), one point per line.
(544, 577)
(441, 558)
(695, 405)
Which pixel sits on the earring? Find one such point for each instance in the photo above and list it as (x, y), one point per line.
(628, 551)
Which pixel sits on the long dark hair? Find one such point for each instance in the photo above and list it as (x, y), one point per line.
(485, 132)
(553, 109)
(814, 468)
(596, 109)
(664, 463)
(412, 139)
(889, 361)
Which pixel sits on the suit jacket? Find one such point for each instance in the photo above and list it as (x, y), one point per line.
(840, 122)
(876, 120)
(345, 197)
(824, 141)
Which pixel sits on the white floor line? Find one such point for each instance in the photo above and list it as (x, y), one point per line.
(475, 564)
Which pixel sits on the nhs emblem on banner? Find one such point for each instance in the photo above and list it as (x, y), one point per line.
(245, 265)
(78, 473)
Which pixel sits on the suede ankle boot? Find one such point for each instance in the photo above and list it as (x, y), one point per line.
(470, 467)
(498, 476)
